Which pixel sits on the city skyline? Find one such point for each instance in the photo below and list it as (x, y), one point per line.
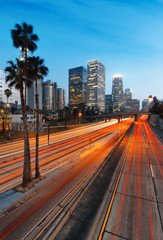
(125, 37)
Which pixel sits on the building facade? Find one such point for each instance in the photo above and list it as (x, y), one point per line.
(60, 98)
(15, 97)
(77, 86)
(117, 93)
(47, 94)
(134, 105)
(55, 96)
(96, 85)
(145, 105)
(127, 95)
(31, 91)
(108, 103)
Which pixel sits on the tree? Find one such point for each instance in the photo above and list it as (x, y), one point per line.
(23, 37)
(8, 93)
(15, 78)
(37, 70)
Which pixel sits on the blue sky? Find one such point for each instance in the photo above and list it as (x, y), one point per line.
(125, 35)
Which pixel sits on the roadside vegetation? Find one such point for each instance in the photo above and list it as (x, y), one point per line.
(21, 73)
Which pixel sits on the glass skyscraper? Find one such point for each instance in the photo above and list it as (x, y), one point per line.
(96, 85)
(31, 91)
(117, 93)
(48, 95)
(108, 103)
(77, 86)
(60, 98)
(127, 95)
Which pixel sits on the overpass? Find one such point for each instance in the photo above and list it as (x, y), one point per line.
(118, 115)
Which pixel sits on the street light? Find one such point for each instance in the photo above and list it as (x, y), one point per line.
(80, 114)
(2, 114)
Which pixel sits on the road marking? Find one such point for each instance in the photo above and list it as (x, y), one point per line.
(152, 171)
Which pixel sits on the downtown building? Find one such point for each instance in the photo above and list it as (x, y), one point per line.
(145, 105)
(77, 87)
(133, 104)
(53, 98)
(60, 98)
(96, 85)
(31, 92)
(127, 95)
(117, 93)
(47, 95)
(108, 103)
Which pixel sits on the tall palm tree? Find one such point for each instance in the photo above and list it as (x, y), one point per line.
(37, 71)
(23, 37)
(15, 78)
(8, 93)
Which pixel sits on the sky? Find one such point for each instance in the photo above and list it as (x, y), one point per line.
(125, 35)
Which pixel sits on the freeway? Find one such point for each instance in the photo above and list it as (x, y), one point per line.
(50, 158)
(79, 163)
(135, 198)
(8, 150)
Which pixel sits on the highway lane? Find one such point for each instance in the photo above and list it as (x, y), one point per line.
(11, 171)
(12, 148)
(19, 223)
(136, 209)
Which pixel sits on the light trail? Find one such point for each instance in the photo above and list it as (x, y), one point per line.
(80, 166)
(12, 169)
(132, 212)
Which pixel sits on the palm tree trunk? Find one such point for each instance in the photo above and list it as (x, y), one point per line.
(25, 73)
(37, 173)
(27, 165)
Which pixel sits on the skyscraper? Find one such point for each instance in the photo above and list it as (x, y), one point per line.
(134, 104)
(31, 91)
(55, 97)
(48, 95)
(127, 95)
(60, 98)
(145, 105)
(117, 92)
(77, 86)
(96, 85)
(108, 103)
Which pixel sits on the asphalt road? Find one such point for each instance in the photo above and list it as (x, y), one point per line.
(8, 150)
(18, 223)
(137, 208)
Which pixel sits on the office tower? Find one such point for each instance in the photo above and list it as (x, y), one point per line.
(31, 91)
(145, 105)
(47, 100)
(117, 93)
(77, 86)
(134, 105)
(108, 103)
(15, 97)
(127, 95)
(60, 98)
(55, 97)
(96, 85)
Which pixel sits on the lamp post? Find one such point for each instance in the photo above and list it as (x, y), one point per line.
(2, 114)
(80, 114)
(3, 124)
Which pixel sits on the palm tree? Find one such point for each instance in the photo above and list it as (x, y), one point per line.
(37, 71)
(8, 93)
(23, 37)
(15, 78)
